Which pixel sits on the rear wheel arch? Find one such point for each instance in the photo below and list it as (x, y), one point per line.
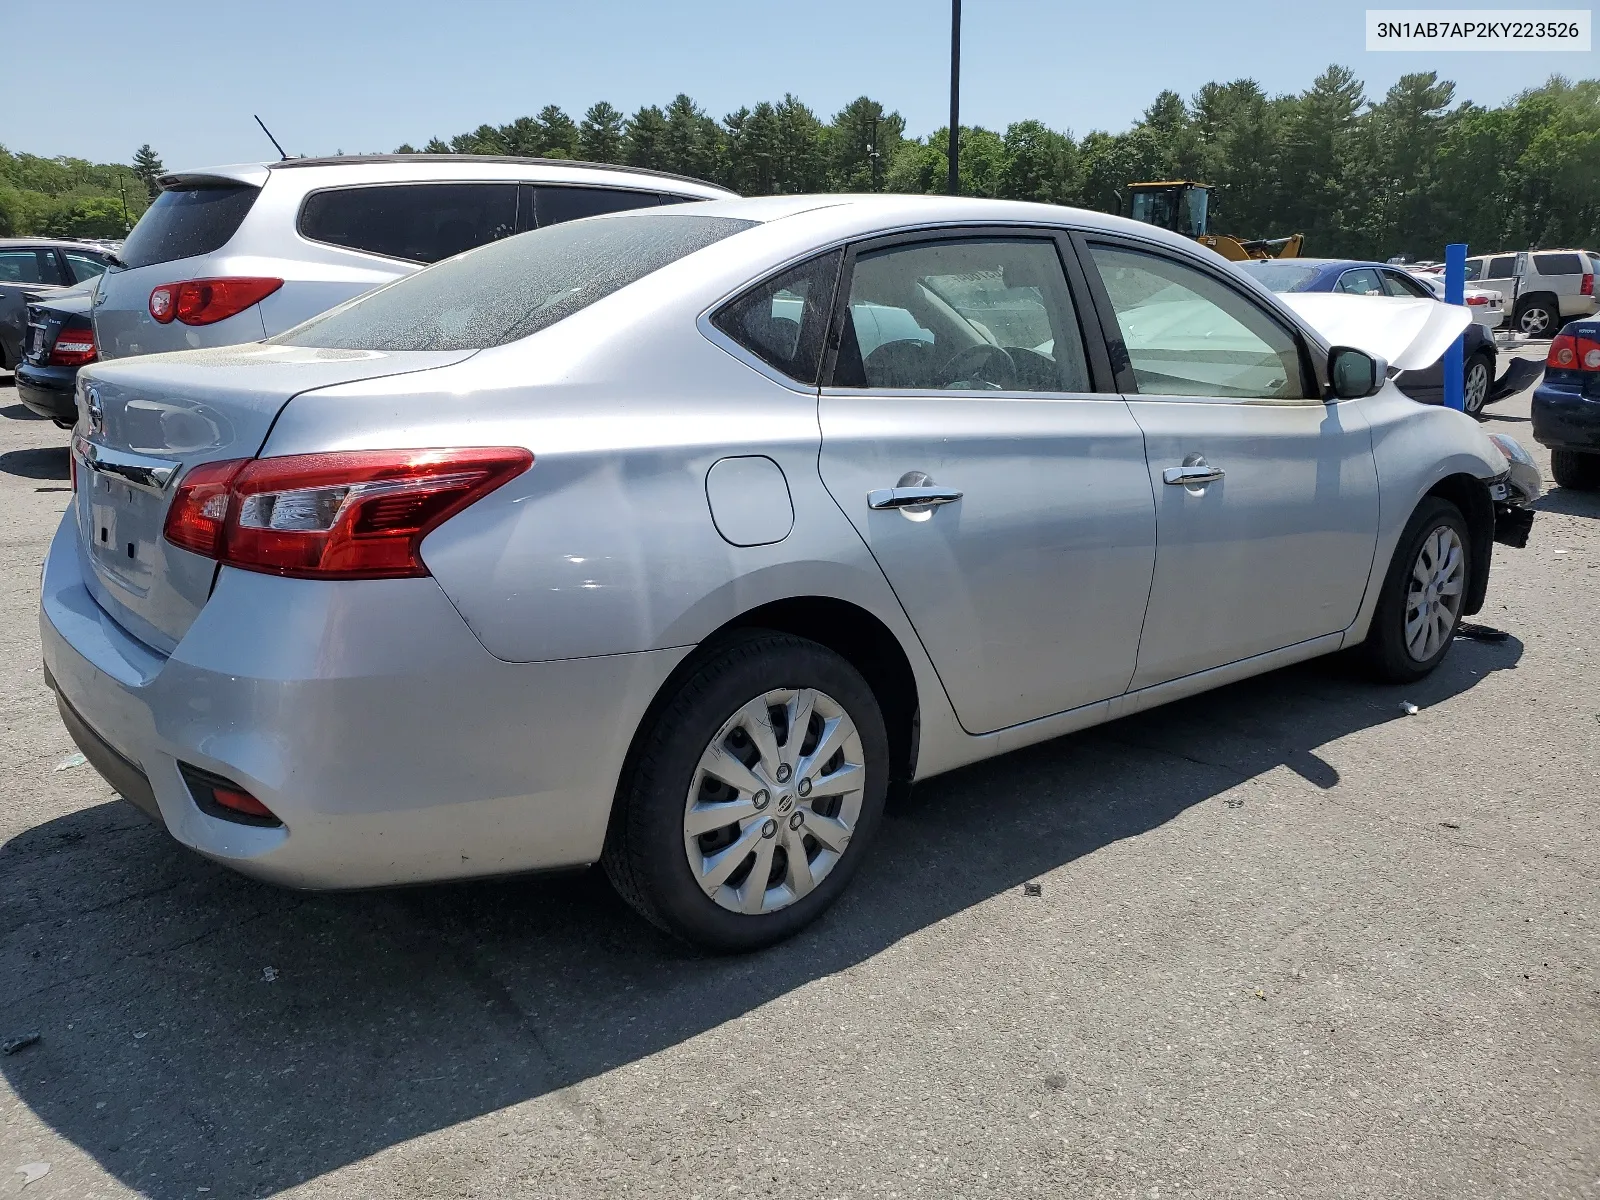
(847, 629)
(1471, 495)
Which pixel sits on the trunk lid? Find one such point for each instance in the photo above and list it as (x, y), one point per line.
(143, 422)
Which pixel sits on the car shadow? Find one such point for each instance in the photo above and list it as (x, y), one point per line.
(1570, 502)
(20, 412)
(41, 462)
(200, 1027)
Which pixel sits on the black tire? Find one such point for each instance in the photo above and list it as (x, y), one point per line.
(1385, 647)
(1480, 373)
(1538, 319)
(1576, 469)
(645, 855)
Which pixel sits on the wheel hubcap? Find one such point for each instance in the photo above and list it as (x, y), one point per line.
(1477, 387)
(1534, 321)
(774, 800)
(1434, 591)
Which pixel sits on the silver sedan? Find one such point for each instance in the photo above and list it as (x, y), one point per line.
(673, 540)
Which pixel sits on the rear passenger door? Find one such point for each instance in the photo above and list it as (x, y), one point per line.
(969, 434)
(22, 270)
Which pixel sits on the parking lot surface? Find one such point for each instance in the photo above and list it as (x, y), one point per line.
(1289, 941)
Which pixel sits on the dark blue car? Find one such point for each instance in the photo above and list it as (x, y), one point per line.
(1566, 405)
(1358, 278)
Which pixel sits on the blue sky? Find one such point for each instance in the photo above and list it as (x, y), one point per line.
(360, 75)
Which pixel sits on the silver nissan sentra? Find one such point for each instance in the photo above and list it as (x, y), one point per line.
(673, 539)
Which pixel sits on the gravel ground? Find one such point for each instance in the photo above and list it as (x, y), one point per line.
(1290, 942)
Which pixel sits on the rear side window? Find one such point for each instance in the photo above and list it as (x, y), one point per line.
(558, 204)
(418, 222)
(186, 221)
(1363, 281)
(512, 288)
(1396, 284)
(1558, 264)
(783, 320)
(1504, 267)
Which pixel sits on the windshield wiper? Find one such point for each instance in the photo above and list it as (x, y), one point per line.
(115, 261)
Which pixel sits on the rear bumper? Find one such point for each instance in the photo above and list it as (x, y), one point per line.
(393, 747)
(48, 391)
(1564, 419)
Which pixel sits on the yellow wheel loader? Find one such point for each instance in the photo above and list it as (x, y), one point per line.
(1181, 206)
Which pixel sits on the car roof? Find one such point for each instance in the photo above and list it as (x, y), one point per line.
(398, 168)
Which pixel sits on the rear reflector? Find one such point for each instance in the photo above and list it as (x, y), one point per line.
(356, 514)
(207, 301)
(219, 797)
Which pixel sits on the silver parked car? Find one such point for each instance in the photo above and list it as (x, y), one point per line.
(234, 254)
(673, 539)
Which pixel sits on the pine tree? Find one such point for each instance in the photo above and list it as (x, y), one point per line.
(600, 134)
(147, 166)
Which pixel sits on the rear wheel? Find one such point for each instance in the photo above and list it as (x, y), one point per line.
(1537, 319)
(753, 796)
(1420, 604)
(1576, 469)
(1475, 385)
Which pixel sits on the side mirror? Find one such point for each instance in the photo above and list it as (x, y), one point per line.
(1354, 373)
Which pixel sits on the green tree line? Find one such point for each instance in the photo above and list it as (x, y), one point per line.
(1360, 177)
(1401, 174)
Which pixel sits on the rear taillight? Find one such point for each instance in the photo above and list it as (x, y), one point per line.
(207, 301)
(357, 514)
(1586, 288)
(1477, 300)
(1569, 352)
(74, 346)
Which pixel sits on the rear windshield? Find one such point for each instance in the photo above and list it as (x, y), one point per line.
(187, 221)
(1282, 277)
(512, 288)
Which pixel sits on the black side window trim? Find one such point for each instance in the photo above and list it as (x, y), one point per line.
(1102, 378)
(300, 213)
(1311, 379)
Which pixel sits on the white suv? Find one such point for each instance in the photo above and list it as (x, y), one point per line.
(238, 253)
(1543, 289)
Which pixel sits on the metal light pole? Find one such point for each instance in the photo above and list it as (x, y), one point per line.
(953, 185)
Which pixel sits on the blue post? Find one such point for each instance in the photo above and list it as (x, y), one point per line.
(1455, 292)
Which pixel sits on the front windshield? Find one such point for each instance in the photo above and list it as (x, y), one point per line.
(1282, 276)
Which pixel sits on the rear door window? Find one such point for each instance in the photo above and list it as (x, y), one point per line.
(1558, 264)
(186, 221)
(558, 204)
(1474, 269)
(418, 222)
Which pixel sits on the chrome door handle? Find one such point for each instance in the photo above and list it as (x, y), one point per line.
(1195, 470)
(911, 497)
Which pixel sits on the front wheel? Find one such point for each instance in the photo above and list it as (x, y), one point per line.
(753, 794)
(1423, 593)
(1475, 385)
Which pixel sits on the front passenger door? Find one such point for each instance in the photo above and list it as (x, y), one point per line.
(1004, 498)
(1266, 497)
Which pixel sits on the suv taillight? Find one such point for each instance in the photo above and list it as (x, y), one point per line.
(1569, 352)
(207, 301)
(74, 345)
(1586, 288)
(355, 514)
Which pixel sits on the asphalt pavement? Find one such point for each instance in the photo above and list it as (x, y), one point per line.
(1289, 941)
